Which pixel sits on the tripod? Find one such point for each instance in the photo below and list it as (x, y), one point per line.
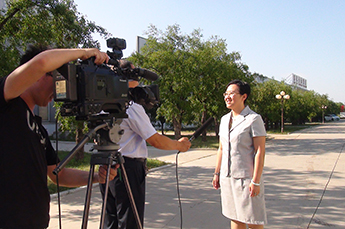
(107, 137)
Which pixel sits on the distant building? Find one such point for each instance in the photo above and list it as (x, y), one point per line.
(2, 4)
(48, 116)
(140, 43)
(295, 81)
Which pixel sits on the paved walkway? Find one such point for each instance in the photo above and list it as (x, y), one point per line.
(297, 169)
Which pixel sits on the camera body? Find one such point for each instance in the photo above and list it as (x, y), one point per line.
(90, 92)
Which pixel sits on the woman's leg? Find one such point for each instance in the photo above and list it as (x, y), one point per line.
(251, 226)
(237, 225)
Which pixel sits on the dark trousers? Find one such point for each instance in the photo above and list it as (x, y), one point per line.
(119, 213)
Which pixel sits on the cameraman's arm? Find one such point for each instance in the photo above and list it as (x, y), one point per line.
(69, 177)
(27, 74)
(162, 142)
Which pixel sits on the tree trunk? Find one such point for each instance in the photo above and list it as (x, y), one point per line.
(266, 123)
(177, 128)
(2, 24)
(162, 121)
(203, 120)
(276, 125)
(216, 127)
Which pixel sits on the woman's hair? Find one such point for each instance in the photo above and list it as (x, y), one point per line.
(31, 52)
(243, 86)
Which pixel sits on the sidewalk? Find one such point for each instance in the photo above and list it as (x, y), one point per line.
(297, 168)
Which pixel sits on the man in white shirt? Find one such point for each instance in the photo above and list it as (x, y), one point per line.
(137, 131)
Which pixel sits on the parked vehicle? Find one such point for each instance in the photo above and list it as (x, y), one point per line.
(342, 115)
(328, 118)
(334, 117)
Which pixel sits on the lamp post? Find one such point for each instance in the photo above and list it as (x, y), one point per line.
(323, 108)
(282, 96)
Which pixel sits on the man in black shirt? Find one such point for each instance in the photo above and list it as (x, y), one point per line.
(26, 154)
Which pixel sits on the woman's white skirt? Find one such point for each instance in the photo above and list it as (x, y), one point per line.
(238, 205)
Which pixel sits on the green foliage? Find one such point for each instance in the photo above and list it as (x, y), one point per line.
(302, 106)
(194, 73)
(50, 22)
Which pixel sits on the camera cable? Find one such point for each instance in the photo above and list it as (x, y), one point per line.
(324, 190)
(194, 136)
(178, 191)
(57, 162)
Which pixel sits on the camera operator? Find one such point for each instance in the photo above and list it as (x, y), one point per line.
(27, 156)
(137, 131)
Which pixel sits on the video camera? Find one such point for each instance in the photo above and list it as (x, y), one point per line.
(89, 91)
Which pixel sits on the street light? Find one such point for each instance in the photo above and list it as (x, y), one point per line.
(323, 108)
(282, 96)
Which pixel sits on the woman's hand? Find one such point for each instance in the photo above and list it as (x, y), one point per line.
(254, 190)
(215, 182)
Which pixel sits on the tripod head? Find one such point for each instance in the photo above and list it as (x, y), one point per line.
(108, 138)
(106, 133)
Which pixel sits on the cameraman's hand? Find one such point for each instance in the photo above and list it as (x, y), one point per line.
(100, 57)
(102, 173)
(185, 144)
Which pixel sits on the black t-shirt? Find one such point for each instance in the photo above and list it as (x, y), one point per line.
(25, 152)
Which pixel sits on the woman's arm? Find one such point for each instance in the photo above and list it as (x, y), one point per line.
(259, 160)
(215, 181)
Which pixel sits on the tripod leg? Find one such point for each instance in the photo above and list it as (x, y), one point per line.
(131, 199)
(88, 198)
(104, 204)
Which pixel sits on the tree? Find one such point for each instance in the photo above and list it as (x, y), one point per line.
(190, 69)
(166, 54)
(301, 107)
(213, 68)
(262, 100)
(50, 22)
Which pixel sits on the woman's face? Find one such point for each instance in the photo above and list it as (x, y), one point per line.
(232, 97)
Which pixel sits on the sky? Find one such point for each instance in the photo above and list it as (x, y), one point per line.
(274, 37)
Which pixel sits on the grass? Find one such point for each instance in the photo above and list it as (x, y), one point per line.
(211, 142)
(85, 166)
(288, 128)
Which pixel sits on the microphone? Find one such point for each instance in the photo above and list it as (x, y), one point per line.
(147, 74)
(201, 129)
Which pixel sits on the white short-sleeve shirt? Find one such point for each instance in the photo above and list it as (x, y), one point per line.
(137, 129)
(240, 162)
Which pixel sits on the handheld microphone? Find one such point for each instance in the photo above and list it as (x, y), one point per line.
(147, 74)
(201, 129)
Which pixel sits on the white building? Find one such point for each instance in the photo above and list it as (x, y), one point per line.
(2, 4)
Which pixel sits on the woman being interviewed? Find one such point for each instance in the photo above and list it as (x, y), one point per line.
(240, 160)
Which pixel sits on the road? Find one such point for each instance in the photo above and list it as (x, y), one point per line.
(304, 174)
